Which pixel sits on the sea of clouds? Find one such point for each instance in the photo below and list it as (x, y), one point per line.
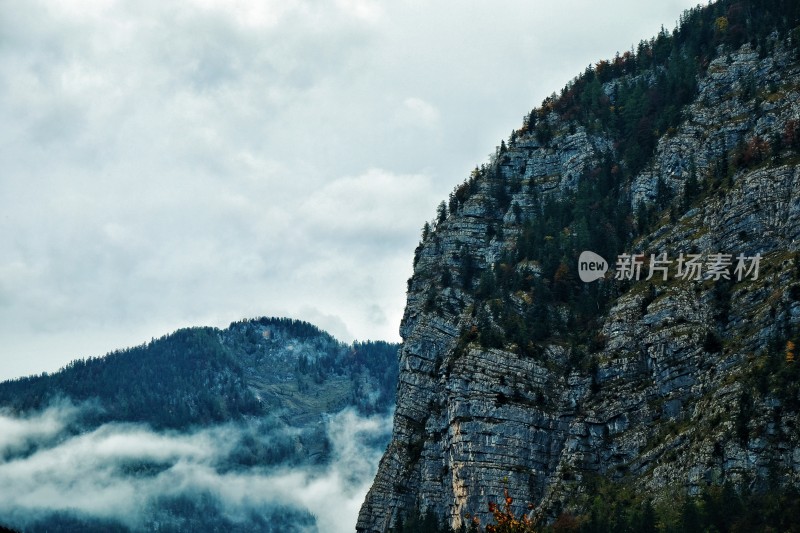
(122, 473)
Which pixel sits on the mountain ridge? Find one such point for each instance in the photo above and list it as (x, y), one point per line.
(225, 374)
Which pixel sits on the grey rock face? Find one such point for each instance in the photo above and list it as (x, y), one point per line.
(662, 405)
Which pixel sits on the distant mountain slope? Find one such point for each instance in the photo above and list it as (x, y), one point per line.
(199, 376)
(518, 375)
(294, 366)
(178, 380)
(267, 425)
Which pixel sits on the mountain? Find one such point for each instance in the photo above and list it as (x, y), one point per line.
(200, 430)
(653, 383)
(198, 376)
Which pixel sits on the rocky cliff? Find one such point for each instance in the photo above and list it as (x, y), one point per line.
(515, 374)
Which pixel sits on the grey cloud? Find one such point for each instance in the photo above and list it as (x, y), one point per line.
(167, 163)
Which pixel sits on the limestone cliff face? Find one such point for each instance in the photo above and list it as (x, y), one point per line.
(673, 383)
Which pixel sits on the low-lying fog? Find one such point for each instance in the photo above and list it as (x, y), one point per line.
(132, 476)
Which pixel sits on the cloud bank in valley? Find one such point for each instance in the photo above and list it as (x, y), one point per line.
(121, 473)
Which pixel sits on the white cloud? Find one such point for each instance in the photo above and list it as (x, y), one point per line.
(89, 474)
(417, 111)
(336, 497)
(376, 208)
(19, 434)
(368, 10)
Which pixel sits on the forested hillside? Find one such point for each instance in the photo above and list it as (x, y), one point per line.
(200, 376)
(200, 430)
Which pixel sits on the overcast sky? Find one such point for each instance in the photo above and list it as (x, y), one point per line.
(166, 164)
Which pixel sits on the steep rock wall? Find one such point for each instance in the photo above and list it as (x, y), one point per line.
(665, 391)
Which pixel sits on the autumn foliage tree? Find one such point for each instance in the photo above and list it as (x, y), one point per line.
(505, 519)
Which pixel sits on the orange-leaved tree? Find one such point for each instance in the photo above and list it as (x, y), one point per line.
(505, 519)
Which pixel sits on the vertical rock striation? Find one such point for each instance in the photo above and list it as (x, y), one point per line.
(672, 383)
